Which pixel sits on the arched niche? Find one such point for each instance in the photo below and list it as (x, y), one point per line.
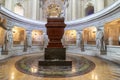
(2, 35)
(18, 9)
(89, 10)
(18, 35)
(37, 37)
(89, 35)
(70, 37)
(112, 32)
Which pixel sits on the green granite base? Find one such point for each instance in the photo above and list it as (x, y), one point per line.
(55, 54)
(55, 63)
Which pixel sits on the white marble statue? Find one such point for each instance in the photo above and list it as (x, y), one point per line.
(63, 40)
(10, 38)
(110, 40)
(100, 40)
(29, 40)
(79, 38)
(99, 35)
(8, 41)
(46, 40)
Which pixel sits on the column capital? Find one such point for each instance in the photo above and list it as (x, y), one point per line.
(100, 28)
(81, 32)
(9, 24)
(28, 31)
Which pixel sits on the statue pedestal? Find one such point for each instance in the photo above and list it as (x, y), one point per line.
(55, 54)
(4, 52)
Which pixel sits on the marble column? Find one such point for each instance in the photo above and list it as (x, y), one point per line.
(34, 9)
(41, 13)
(99, 5)
(69, 11)
(28, 8)
(9, 4)
(78, 11)
(28, 40)
(73, 11)
(38, 14)
(82, 10)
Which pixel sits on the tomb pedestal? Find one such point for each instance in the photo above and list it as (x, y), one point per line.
(55, 54)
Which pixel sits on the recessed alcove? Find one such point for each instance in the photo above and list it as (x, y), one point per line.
(112, 32)
(2, 35)
(19, 35)
(70, 37)
(89, 35)
(37, 37)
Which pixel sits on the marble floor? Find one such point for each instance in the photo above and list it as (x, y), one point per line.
(104, 70)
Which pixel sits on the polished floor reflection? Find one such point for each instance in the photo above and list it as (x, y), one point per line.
(104, 70)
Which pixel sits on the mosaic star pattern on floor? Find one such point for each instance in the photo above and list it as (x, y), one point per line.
(104, 70)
